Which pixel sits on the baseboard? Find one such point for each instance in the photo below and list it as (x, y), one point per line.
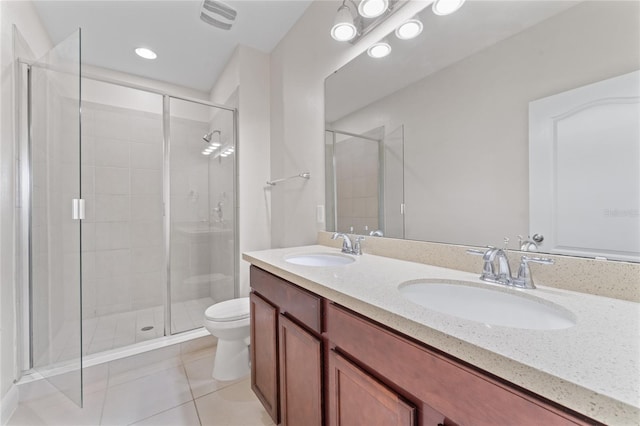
(9, 404)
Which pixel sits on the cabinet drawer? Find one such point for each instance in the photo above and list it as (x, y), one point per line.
(463, 394)
(292, 301)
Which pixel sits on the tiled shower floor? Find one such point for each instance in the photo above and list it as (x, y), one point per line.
(117, 330)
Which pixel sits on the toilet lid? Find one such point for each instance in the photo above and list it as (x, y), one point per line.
(229, 310)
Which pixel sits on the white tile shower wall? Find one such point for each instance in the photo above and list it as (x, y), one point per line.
(357, 176)
(123, 244)
(190, 211)
(222, 204)
(55, 240)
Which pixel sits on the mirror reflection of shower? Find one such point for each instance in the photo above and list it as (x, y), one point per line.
(212, 144)
(215, 145)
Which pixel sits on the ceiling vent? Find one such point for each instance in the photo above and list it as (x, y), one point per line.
(218, 14)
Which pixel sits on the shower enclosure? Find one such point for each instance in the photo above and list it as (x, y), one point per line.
(128, 213)
(364, 181)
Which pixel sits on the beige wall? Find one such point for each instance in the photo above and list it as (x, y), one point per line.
(246, 79)
(466, 126)
(299, 65)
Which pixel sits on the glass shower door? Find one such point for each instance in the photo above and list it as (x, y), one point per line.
(201, 170)
(55, 211)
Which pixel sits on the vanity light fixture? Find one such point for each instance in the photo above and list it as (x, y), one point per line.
(343, 28)
(379, 50)
(145, 53)
(446, 7)
(357, 18)
(409, 29)
(372, 8)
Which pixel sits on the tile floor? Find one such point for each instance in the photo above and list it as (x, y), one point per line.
(175, 391)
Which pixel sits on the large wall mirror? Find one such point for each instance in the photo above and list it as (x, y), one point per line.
(505, 119)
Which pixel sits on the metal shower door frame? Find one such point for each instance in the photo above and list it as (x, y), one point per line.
(166, 195)
(24, 171)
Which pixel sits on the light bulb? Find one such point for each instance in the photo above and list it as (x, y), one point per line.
(343, 28)
(379, 50)
(446, 7)
(372, 8)
(409, 29)
(145, 53)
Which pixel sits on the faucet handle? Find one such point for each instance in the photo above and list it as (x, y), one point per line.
(357, 245)
(524, 278)
(540, 260)
(488, 270)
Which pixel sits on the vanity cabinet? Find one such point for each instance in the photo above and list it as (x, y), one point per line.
(264, 353)
(286, 350)
(440, 384)
(357, 398)
(300, 375)
(315, 362)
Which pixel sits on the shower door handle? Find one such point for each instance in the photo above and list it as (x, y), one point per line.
(78, 209)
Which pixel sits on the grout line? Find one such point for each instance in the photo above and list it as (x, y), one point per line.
(164, 411)
(193, 399)
(106, 392)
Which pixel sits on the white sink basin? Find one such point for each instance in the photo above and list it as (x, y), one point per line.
(487, 305)
(320, 259)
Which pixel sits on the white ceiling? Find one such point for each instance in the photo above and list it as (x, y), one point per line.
(190, 52)
(445, 40)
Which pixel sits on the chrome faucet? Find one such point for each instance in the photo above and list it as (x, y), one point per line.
(523, 278)
(347, 246)
(504, 270)
(357, 245)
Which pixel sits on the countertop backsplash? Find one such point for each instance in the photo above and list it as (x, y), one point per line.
(615, 279)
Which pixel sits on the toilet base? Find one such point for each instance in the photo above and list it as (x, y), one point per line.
(232, 360)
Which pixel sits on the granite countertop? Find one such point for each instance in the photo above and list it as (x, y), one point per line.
(592, 367)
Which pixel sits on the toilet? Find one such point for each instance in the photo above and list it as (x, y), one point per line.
(229, 322)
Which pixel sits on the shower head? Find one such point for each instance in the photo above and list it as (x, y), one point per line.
(207, 138)
(211, 144)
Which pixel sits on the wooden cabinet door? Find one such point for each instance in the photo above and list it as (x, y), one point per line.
(300, 375)
(264, 354)
(356, 398)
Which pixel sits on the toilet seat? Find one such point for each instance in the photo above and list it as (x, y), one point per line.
(229, 310)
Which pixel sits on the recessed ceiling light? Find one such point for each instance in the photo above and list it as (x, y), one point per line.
(145, 53)
(409, 29)
(445, 7)
(379, 50)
